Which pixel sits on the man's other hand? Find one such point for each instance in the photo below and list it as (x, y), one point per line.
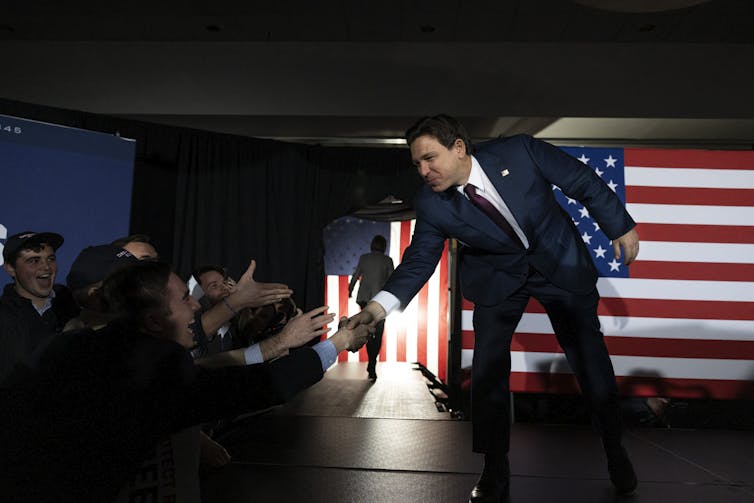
(629, 242)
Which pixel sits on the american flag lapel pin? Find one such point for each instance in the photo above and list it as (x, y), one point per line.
(505, 172)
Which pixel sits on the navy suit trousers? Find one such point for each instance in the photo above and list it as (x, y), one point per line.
(574, 320)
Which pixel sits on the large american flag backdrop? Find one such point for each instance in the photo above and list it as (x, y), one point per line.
(419, 333)
(679, 322)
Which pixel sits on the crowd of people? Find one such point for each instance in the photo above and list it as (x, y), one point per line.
(108, 382)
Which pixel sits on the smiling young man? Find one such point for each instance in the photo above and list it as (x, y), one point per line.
(33, 307)
(79, 418)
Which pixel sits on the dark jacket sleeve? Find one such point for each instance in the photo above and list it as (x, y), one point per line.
(209, 394)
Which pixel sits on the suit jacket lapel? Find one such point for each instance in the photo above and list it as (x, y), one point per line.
(473, 216)
(509, 186)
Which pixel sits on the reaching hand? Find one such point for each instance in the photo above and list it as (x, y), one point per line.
(630, 244)
(351, 339)
(304, 327)
(249, 293)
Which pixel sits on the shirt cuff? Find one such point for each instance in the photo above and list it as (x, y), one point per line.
(387, 300)
(326, 352)
(253, 354)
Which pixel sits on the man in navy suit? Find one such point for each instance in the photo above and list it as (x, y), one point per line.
(516, 242)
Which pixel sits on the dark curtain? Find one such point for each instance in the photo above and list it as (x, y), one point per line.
(242, 198)
(213, 198)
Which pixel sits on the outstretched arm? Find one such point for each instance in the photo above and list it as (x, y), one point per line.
(246, 293)
(298, 331)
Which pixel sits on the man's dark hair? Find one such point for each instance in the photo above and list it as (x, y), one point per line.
(444, 128)
(379, 244)
(135, 291)
(33, 247)
(197, 273)
(133, 238)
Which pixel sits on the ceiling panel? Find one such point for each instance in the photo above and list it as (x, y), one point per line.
(332, 68)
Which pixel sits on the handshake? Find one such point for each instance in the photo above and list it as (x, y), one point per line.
(358, 327)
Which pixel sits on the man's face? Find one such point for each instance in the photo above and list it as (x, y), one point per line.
(142, 251)
(214, 286)
(34, 273)
(440, 167)
(182, 308)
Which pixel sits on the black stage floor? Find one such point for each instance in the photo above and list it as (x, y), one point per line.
(346, 440)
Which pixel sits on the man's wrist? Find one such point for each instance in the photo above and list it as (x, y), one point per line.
(234, 303)
(272, 347)
(387, 301)
(231, 308)
(339, 340)
(376, 310)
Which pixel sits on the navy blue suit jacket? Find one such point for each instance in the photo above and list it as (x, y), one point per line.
(491, 265)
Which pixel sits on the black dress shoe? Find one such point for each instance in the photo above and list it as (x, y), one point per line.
(621, 470)
(494, 484)
(372, 375)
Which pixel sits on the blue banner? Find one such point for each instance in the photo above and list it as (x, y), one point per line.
(66, 180)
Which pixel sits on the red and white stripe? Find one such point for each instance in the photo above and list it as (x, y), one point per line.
(420, 332)
(683, 324)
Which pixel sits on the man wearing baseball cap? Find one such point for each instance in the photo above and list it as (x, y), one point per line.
(85, 278)
(33, 307)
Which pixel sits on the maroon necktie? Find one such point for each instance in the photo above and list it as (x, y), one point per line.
(489, 210)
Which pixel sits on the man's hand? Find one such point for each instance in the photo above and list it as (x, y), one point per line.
(249, 293)
(370, 315)
(305, 326)
(630, 244)
(351, 339)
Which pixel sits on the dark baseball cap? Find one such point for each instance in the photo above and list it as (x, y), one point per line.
(28, 240)
(94, 263)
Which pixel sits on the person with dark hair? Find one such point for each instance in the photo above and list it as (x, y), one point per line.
(224, 302)
(139, 245)
(516, 242)
(372, 271)
(214, 319)
(33, 307)
(216, 286)
(95, 403)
